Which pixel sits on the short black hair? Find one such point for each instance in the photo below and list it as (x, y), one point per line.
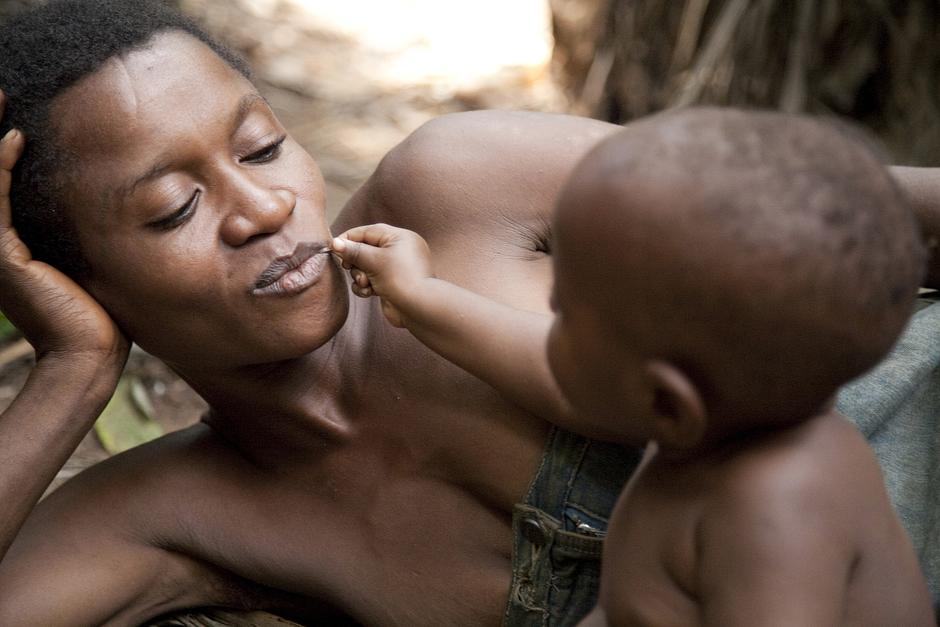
(44, 51)
(787, 257)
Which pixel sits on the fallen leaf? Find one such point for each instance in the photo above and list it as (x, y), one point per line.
(127, 420)
(7, 330)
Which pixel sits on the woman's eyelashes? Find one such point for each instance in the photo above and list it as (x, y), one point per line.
(179, 216)
(266, 154)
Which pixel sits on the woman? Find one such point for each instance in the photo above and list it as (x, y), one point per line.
(342, 469)
(342, 465)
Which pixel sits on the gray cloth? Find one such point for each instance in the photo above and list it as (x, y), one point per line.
(897, 407)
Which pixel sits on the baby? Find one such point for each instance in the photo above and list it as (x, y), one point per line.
(718, 275)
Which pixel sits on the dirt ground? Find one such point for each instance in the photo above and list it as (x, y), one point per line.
(348, 87)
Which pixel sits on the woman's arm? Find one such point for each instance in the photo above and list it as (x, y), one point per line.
(480, 187)
(922, 187)
(68, 561)
(41, 429)
(80, 354)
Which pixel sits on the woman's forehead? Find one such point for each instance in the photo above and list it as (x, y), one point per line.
(125, 110)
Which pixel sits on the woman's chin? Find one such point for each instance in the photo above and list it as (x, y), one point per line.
(316, 330)
(311, 325)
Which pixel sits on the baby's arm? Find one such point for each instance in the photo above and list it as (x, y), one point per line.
(499, 344)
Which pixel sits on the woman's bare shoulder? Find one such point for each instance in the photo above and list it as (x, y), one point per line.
(101, 545)
(480, 187)
(474, 168)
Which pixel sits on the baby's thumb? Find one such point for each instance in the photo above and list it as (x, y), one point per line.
(355, 254)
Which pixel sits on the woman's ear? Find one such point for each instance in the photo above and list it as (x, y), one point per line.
(678, 413)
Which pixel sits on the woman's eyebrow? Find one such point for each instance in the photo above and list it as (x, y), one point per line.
(159, 169)
(245, 106)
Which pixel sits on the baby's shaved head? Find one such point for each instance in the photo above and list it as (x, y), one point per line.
(771, 257)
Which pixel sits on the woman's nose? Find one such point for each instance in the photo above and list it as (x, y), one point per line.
(259, 212)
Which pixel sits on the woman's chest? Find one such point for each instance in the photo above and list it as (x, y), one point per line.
(402, 518)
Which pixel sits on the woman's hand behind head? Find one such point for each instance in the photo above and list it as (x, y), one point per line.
(56, 315)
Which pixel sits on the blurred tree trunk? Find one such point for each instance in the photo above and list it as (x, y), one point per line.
(876, 62)
(578, 28)
(9, 7)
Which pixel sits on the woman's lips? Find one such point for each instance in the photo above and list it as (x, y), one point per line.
(293, 273)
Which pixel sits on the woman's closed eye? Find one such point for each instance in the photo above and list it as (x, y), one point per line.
(269, 153)
(179, 216)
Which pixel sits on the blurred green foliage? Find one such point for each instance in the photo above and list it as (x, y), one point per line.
(7, 330)
(127, 420)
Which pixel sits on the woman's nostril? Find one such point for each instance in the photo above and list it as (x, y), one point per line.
(254, 238)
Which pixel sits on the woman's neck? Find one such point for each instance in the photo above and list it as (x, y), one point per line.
(293, 405)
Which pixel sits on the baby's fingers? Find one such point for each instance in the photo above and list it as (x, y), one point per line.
(360, 285)
(377, 234)
(362, 292)
(353, 253)
(360, 277)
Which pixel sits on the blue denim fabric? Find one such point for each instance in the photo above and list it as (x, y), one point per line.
(897, 407)
(559, 530)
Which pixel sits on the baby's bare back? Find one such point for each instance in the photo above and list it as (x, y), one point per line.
(793, 528)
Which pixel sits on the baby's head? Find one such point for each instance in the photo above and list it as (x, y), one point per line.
(719, 271)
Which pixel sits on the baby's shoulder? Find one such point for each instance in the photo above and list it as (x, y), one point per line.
(820, 472)
(798, 522)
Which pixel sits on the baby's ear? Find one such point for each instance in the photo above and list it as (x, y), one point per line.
(678, 413)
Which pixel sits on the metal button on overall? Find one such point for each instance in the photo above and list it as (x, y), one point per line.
(535, 531)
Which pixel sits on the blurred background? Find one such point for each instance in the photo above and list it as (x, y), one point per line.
(352, 78)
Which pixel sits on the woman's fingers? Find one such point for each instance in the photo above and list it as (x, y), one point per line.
(11, 147)
(12, 249)
(5, 169)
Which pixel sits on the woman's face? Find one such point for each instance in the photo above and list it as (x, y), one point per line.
(184, 189)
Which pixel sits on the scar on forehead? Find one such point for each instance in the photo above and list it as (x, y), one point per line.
(124, 85)
(127, 87)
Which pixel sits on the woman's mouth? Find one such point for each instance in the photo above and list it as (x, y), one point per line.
(294, 273)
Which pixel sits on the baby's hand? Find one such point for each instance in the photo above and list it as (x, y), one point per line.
(387, 262)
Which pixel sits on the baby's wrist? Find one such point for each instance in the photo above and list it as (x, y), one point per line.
(415, 300)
